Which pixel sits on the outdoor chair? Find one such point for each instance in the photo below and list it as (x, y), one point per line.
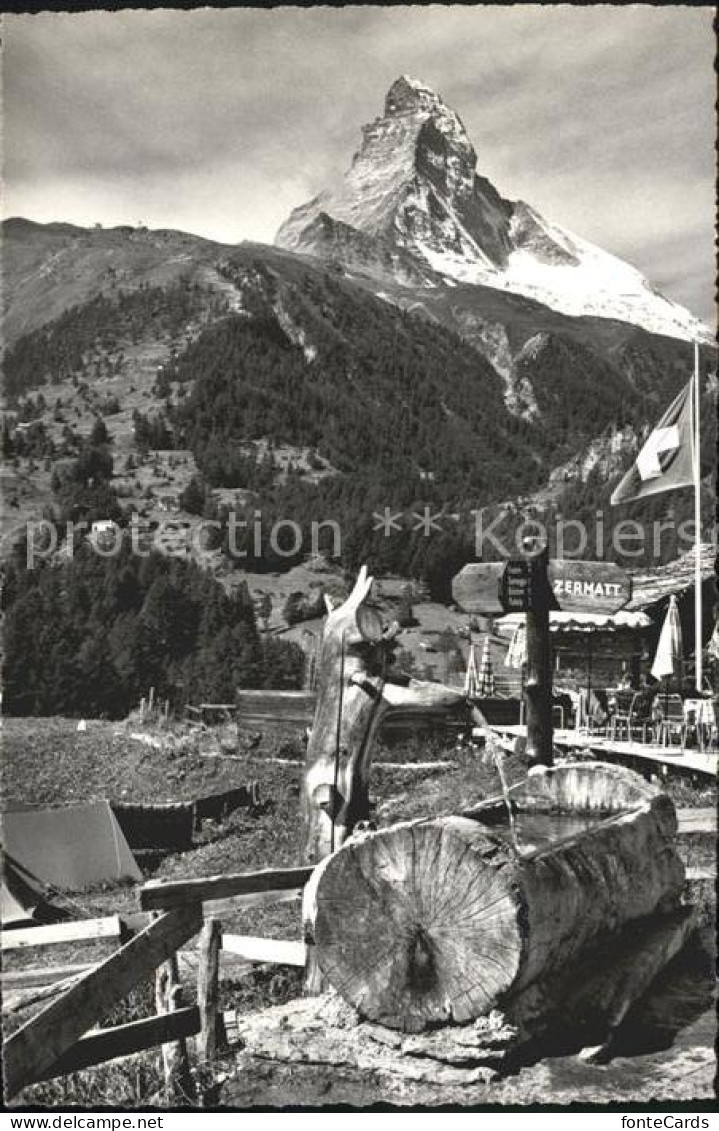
(672, 722)
(592, 714)
(620, 722)
(641, 721)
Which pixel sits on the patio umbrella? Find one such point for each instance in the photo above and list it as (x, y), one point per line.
(669, 659)
(486, 675)
(517, 652)
(471, 681)
(517, 657)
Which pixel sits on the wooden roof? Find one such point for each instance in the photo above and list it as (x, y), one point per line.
(675, 577)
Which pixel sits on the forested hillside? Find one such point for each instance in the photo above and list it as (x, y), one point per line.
(455, 399)
(92, 635)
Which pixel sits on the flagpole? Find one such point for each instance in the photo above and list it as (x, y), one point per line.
(697, 528)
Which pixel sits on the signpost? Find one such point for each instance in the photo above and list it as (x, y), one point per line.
(534, 585)
(493, 588)
(538, 685)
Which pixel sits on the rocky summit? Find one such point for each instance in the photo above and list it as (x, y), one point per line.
(414, 209)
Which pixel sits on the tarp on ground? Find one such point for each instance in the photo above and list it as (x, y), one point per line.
(70, 849)
(168, 826)
(219, 806)
(24, 899)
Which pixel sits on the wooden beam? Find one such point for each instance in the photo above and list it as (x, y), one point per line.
(173, 893)
(108, 927)
(44, 1038)
(123, 1040)
(284, 952)
(42, 975)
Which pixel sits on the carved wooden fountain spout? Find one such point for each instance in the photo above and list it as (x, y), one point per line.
(356, 691)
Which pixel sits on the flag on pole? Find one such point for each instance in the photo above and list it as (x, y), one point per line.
(665, 462)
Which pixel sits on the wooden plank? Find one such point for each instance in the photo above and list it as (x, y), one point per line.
(284, 952)
(124, 1040)
(701, 872)
(157, 894)
(20, 999)
(221, 907)
(264, 709)
(697, 820)
(108, 927)
(42, 975)
(44, 1039)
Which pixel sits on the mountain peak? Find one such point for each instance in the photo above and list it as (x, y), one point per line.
(408, 94)
(412, 195)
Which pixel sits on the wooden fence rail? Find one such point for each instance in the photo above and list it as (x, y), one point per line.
(295, 710)
(123, 1040)
(56, 1040)
(109, 927)
(159, 894)
(33, 1049)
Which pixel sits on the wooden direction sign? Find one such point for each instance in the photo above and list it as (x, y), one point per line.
(494, 588)
(589, 587)
(476, 588)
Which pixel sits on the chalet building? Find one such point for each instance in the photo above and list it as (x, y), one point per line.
(103, 533)
(168, 502)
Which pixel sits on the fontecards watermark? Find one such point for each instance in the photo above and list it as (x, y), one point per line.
(243, 538)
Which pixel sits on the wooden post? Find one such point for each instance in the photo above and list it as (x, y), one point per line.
(212, 1035)
(175, 1062)
(538, 687)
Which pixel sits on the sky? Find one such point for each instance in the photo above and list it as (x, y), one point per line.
(219, 122)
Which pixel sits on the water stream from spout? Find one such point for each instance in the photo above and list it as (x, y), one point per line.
(497, 755)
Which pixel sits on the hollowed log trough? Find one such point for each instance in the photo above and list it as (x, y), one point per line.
(445, 920)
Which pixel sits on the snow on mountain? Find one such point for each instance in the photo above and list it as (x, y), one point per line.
(413, 207)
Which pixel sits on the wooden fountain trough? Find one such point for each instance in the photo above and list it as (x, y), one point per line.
(562, 915)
